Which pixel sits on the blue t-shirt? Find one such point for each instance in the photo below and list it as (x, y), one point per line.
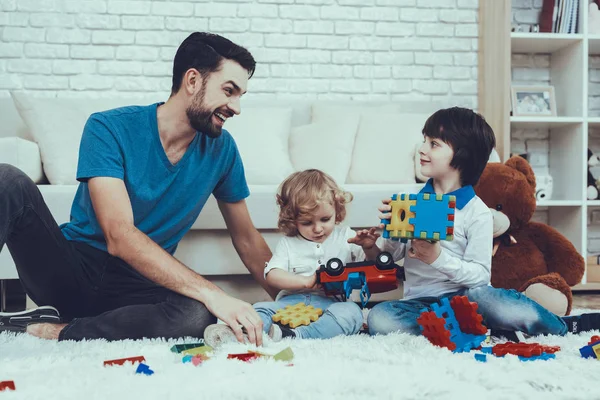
(166, 199)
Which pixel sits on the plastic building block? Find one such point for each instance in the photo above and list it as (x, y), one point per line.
(442, 329)
(486, 350)
(591, 350)
(197, 350)
(518, 349)
(299, 314)
(143, 369)
(543, 356)
(594, 339)
(466, 315)
(187, 359)
(199, 359)
(284, 355)
(399, 226)
(422, 216)
(244, 356)
(122, 361)
(434, 216)
(179, 348)
(481, 357)
(7, 385)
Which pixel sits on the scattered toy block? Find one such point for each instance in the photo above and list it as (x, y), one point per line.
(143, 369)
(481, 357)
(187, 359)
(441, 327)
(199, 359)
(284, 355)
(197, 350)
(591, 350)
(7, 385)
(122, 361)
(243, 356)
(179, 348)
(297, 315)
(543, 356)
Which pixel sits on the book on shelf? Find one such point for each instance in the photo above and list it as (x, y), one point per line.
(559, 16)
(593, 259)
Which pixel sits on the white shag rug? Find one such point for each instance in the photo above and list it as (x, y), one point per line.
(396, 366)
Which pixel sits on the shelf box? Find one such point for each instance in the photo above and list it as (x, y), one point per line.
(543, 122)
(594, 44)
(594, 122)
(542, 42)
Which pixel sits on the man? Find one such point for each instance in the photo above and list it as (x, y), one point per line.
(145, 173)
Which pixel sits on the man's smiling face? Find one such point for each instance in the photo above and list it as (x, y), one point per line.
(218, 98)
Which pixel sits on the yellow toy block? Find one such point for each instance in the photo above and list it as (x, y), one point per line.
(296, 315)
(399, 226)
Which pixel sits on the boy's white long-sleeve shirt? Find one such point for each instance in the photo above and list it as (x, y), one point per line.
(464, 262)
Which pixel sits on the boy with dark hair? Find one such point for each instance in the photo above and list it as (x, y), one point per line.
(145, 174)
(457, 144)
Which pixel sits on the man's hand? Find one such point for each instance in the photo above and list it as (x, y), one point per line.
(365, 238)
(236, 314)
(424, 250)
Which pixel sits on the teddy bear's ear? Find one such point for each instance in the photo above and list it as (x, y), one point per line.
(521, 165)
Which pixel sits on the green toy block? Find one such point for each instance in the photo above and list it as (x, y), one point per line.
(179, 348)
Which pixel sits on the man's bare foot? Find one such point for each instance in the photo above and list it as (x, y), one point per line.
(45, 331)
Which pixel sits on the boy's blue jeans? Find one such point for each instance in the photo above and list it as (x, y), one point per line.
(501, 309)
(338, 318)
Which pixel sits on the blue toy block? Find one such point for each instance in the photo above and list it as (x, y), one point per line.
(487, 350)
(143, 369)
(588, 351)
(187, 359)
(464, 341)
(543, 356)
(481, 357)
(431, 216)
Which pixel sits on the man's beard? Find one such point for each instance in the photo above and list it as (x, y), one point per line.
(201, 117)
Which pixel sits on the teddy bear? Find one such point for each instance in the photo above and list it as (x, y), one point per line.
(528, 256)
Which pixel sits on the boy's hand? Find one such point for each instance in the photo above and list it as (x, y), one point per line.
(365, 238)
(385, 210)
(424, 250)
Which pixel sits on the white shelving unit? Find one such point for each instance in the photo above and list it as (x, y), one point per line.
(568, 131)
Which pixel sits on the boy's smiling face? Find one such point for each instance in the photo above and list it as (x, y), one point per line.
(435, 157)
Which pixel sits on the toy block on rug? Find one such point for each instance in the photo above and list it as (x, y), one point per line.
(144, 369)
(122, 361)
(420, 216)
(441, 327)
(296, 315)
(525, 351)
(284, 355)
(7, 385)
(592, 350)
(179, 348)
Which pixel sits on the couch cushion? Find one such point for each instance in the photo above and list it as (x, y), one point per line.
(262, 136)
(24, 155)
(56, 125)
(385, 148)
(326, 145)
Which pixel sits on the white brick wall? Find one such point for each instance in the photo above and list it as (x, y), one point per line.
(313, 49)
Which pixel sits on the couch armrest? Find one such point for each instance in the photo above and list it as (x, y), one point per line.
(24, 155)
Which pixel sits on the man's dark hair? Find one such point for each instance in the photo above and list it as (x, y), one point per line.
(205, 52)
(469, 135)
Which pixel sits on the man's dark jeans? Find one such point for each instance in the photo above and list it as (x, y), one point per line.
(99, 295)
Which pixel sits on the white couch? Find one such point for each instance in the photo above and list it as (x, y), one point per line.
(367, 147)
